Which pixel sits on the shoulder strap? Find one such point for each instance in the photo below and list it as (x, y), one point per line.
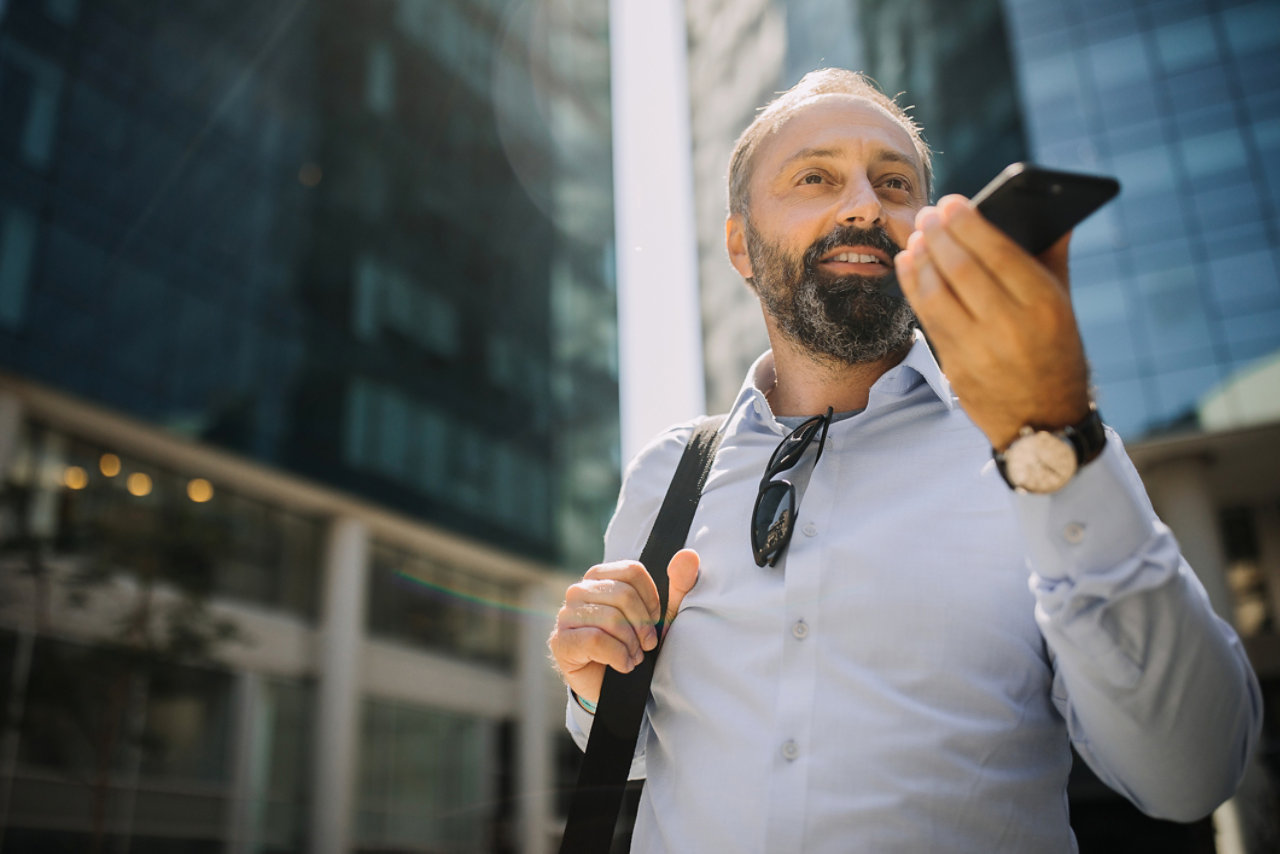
(602, 778)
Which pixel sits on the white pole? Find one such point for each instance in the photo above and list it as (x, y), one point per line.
(659, 327)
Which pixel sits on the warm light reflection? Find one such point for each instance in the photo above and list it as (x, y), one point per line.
(109, 464)
(138, 484)
(199, 490)
(75, 477)
(310, 174)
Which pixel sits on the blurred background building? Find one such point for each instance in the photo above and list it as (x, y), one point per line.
(309, 379)
(308, 340)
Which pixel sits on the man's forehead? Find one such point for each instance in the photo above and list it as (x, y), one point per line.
(833, 123)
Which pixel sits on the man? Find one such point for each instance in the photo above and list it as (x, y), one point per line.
(908, 671)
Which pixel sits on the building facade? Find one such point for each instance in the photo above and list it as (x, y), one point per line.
(308, 341)
(1177, 282)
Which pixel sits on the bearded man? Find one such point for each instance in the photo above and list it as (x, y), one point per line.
(881, 638)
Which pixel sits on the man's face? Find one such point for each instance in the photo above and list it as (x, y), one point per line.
(833, 197)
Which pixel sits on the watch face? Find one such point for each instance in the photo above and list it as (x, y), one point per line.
(1040, 462)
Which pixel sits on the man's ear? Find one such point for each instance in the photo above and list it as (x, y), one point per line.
(735, 240)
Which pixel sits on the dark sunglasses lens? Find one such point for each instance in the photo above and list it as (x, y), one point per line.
(774, 515)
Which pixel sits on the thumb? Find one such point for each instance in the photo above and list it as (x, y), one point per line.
(682, 574)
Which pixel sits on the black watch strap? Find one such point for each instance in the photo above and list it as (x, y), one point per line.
(1088, 437)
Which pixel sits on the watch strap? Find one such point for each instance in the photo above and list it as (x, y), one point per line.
(1088, 437)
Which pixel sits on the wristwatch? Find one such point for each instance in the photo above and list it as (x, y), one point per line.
(1044, 461)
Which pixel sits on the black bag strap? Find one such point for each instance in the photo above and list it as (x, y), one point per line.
(602, 778)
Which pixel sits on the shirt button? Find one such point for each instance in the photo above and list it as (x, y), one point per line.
(810, 530)
(790, 750)
(800, 629)
(1073, 532)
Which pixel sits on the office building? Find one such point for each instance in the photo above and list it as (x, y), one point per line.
(308, 341)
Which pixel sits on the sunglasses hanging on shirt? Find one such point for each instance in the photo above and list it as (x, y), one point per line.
(774, 516)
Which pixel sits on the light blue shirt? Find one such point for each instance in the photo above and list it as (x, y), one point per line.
(911, 675)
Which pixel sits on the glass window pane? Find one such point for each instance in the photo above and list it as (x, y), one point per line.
(1186, 44)
(1252, 27)
(1213, 153)
(1119, 61)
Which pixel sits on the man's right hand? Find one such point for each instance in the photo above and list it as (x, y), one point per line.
(608, 618)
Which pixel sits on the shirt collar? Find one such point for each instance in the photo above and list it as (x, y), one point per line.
(918, 366)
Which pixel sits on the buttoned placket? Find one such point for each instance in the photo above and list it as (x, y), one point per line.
(792, 744)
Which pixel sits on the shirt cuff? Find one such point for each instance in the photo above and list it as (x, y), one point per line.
(1095, 522)
(577, 720)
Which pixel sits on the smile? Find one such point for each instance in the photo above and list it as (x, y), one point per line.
(854, 258)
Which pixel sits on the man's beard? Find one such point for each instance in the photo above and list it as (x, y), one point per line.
(851, 319)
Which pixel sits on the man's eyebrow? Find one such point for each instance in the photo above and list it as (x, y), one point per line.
(886, 155)
(811, 154)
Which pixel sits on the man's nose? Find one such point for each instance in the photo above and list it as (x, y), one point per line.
(860, 205)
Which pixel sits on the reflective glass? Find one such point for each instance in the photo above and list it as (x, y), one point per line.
(432, 605)
(248, 211)
(1252, 27)
(1127, 403)
(1246, 282)
(1254, 332)
(1178, 391)
(1186, 44)
(1175, 317)
(437, 788)
(1118, 61)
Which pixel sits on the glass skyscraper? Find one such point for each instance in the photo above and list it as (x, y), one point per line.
(1177, 283)
(308, 382)
(366, 242)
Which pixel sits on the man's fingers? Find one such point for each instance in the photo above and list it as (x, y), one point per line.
(1009, 265)
(941, 315)
(682, 575)
(624, 603)
(976, 288)
(633, 574)
(595, 635)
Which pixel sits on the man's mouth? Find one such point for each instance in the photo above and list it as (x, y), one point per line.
(856, 262)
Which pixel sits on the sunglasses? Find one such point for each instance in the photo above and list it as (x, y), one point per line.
(774, 516)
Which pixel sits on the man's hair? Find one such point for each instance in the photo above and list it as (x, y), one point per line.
(824, 81)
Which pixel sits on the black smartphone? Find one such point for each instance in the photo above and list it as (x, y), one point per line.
(1037, 206)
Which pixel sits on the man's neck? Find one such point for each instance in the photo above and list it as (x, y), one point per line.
(808, 384)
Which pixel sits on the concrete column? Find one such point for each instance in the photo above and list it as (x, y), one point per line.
(654, 221)
(11, 411)
(536, 767)
(337, 732)
(1181, 495)
(1266, 521)
(250, 764)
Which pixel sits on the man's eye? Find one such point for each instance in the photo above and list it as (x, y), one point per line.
(811, 178)
(897, 184)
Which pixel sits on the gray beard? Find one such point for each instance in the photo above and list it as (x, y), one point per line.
(852, 320)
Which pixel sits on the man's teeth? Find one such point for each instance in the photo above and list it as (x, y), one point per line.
(855, 258)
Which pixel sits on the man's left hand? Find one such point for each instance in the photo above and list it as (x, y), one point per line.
(1000, 319)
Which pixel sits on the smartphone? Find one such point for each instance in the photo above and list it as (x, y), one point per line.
(1037, 206)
